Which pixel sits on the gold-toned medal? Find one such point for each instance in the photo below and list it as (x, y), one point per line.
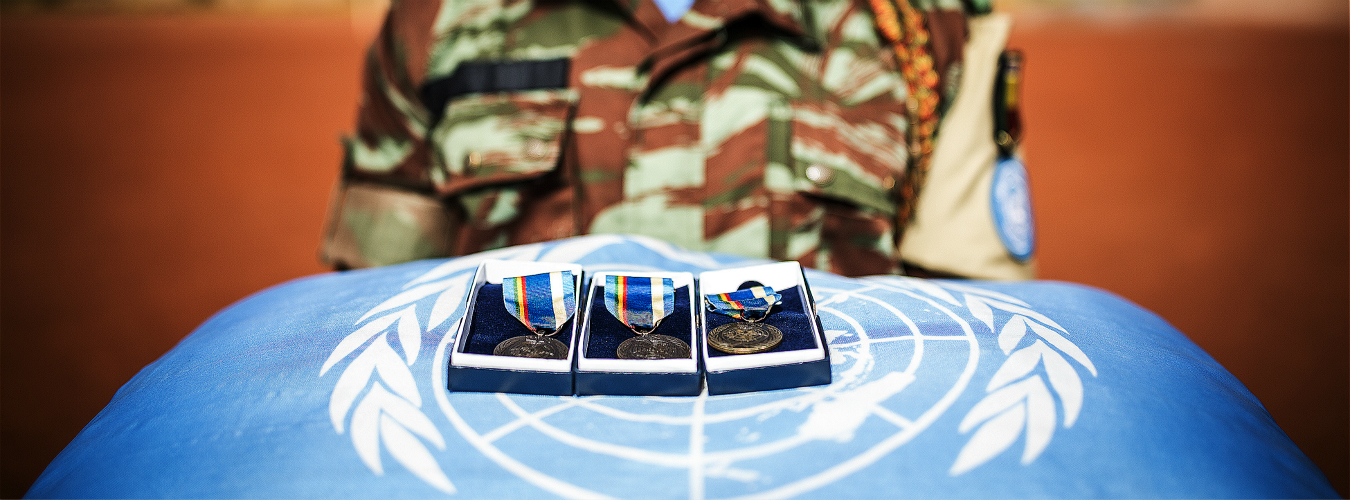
(748, 335)
(745, 338)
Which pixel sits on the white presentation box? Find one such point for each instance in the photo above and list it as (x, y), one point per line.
(599, 369)
(486, 323)
(801, 359)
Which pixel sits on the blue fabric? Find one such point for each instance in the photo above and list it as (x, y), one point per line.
(334, 386)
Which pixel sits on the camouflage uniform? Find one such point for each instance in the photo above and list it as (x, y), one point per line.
(771, 128)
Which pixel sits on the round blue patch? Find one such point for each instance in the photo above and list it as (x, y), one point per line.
(1010, 200)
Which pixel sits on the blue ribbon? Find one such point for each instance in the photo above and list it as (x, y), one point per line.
(641, 303)
(541, 301)
(750, 304)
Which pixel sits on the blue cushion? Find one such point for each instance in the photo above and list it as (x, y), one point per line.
(334, 386)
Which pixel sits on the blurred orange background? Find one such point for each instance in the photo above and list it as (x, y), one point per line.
(164, 161)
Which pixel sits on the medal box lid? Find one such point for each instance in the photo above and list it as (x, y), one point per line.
(601, 332)
(487, 323)
(795, 317)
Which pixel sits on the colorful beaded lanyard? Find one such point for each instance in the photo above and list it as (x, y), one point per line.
(908, 36)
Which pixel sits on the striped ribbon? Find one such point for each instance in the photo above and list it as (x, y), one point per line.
(750, 304)
(541, 301)
(641, 303)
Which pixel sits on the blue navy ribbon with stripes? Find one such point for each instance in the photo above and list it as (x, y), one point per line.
(750, 304)
(639, 302)
(543, 302)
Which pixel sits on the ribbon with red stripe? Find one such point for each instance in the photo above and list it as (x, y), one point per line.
(543, 302)
(639, 302)
(749, 304)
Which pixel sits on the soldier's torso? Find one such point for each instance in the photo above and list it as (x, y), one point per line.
(763, 128)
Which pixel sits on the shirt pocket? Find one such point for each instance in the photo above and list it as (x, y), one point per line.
(854, 160)
(845, 167)
(500, 138)
(491, 146)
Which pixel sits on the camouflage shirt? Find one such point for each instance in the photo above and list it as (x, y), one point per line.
(769, 128)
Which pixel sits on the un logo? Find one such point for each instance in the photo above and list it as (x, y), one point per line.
(903, 351)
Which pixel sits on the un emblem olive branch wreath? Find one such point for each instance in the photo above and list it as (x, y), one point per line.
(1018, 401)
(385, 411)
(390, 412)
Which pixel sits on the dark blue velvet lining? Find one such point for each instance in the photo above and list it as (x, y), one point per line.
(491, 323)
(787, 316)
(607, 332)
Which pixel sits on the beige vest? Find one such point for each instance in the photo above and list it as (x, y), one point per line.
(952, 230)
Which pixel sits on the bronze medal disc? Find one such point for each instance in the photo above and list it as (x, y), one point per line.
(744, 338)
(653, 346)
(532, 346)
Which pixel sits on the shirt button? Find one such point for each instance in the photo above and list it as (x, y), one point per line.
(535, 148)
(888, 183)
(473, 160)
(820, 175)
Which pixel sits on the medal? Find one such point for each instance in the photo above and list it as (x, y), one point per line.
(641, 303)
(744, 338)
(543, 303)
(749, 335)
(653, 346)
(532, 346)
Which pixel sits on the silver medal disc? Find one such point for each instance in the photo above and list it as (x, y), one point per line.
(744, 338)
(653, 346)
(531, 346)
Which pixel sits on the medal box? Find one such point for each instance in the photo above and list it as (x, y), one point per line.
(801, 358)
(608, 344)
(488, 324)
